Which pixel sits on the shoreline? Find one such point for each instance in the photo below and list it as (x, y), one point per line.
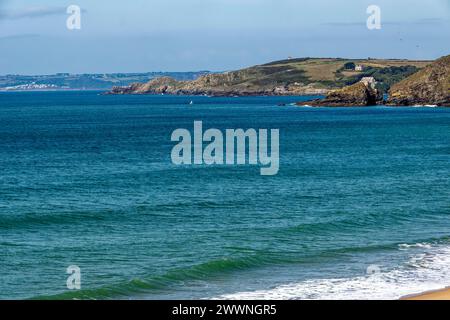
(50, 90)
(439, 294)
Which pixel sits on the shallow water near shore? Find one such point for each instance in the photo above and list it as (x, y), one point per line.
(87, 180)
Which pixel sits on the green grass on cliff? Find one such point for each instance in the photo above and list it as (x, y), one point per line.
(329, 72)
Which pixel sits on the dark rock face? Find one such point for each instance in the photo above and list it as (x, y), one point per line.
(429, 86)
(357, 95)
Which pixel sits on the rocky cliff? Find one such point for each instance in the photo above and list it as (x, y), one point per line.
(357, 95)
(247, 82)
(304, 76)
(429, 86)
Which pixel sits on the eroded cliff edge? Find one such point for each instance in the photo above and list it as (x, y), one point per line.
(429, 86)
(361, 94)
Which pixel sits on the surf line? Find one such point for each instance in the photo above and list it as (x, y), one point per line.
(228, 148)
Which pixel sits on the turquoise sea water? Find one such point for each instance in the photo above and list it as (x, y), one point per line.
(87, 180)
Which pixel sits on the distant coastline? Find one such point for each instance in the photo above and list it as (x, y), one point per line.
(94, 81)
(301, 76)
(345, 82)
(50, 90)
(339, 80)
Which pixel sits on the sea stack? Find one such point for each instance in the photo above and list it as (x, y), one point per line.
(360, 94)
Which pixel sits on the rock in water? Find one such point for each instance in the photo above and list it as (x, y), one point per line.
(359, 94)
(429, 86)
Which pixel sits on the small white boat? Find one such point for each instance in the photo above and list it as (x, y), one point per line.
(191, 103)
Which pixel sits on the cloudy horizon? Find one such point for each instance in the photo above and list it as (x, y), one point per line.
(216, 35)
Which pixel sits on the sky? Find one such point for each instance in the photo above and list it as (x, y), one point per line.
(215, 35)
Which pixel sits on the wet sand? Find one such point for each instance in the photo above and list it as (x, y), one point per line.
(443, 294)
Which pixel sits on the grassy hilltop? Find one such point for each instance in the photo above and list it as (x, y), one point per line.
(285, 77)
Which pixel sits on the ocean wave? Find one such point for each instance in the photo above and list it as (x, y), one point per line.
(434, 256)
(404, 246)
(33, 219)
(424, 271)
(171, 279)
(37, 219)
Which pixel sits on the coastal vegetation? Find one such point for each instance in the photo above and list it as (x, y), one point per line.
(385, 76)
(301, 76)
(429, 86)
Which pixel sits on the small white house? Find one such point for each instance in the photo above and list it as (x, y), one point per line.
(359, 67)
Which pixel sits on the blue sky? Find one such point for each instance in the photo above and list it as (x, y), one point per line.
(184, 35)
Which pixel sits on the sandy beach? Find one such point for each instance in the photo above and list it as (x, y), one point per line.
(443, 294)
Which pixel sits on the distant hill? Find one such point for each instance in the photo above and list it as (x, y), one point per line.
(286, 77)
(429, 86)
(66, 81)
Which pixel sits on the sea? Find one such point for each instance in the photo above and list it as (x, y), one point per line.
(360, 207)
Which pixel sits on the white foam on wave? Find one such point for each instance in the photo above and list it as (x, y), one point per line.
(425, 106)
(405, 246)
(422, 272)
